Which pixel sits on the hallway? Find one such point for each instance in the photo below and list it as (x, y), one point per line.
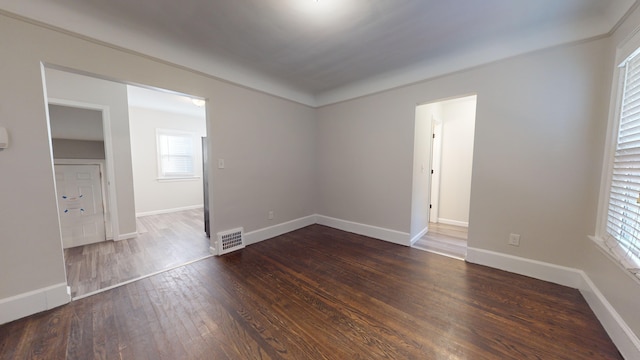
(443, 239)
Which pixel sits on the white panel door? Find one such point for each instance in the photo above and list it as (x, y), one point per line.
(80, 205)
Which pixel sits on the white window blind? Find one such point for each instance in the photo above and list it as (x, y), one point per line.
(623, 218)
(175, 154)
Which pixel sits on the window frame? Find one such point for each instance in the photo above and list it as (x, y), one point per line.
(627, 48)
(194, 174)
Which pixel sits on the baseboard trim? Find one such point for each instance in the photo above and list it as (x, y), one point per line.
(622, 336)
(256, 236)
(396, 237)
(419, 235)
(533, 268)
(168, 211)
(132, 235)
(453, 222)
(32, 302)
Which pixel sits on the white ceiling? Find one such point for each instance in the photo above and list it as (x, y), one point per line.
(163, 101)
(319, 52)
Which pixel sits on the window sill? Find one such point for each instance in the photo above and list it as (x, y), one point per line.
(603, 248)
(176, 179)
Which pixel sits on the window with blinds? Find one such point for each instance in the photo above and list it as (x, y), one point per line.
(176, 154)
(623, 218)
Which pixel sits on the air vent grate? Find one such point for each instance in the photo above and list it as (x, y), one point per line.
(230, 240)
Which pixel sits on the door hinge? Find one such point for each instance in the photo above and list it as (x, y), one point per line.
(430, 206)
(431, 171)
(434, 136)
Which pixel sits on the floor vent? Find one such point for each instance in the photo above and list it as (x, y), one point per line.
(230, 240)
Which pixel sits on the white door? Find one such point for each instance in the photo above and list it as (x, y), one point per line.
(80, 205)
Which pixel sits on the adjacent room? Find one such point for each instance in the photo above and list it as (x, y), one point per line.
(443, 159)
(320, 181)
(163, 195)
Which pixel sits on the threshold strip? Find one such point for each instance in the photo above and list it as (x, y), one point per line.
(138, 278)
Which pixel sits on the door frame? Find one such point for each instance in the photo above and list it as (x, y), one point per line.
(108, 161)
(436, 162)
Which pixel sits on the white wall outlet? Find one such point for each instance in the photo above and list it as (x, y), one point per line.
(220, 163)
(270, 215)
(514, 239)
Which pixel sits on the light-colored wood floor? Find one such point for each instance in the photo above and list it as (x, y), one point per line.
(443, 239)
(164, 241)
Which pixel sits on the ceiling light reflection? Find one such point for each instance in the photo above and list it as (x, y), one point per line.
(328, 9)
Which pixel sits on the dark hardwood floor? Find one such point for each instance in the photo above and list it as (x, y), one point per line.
(164, 241)
(319, 293)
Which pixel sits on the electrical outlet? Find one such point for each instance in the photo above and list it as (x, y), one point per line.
(270, 216)
(514, 239)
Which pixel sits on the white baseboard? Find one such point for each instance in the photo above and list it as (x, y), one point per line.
(453, 222)
(419, 235)
(393, 236)
(168, 211)
(396, 237)
(255, 236)
(32, 302)
(622, 336)
(132, 235)
(536, 269)
(617, 329)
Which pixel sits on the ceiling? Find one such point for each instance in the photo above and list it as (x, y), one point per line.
(163, 101)
(320, 52)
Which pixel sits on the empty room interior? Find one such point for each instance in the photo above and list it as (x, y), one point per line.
(319, 179)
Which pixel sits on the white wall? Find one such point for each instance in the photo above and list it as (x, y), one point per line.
(153, 195)
(268, 144)
(458, 117)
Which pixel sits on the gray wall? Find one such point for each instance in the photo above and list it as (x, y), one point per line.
(539, 140)
(63, 85)
(77, 149)
(535, 115)
(268, 145)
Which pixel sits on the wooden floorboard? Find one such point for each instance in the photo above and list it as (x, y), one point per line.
(444, 239)
(319, 293)
(164, 241)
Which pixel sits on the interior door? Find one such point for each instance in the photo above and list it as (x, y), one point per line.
(79, 190)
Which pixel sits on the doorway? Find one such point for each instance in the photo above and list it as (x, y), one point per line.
(443, 156)
(133, 243)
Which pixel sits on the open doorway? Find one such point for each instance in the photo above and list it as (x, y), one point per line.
(443, 158)
(80, 168)
(150, 221)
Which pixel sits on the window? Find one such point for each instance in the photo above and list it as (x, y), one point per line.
(622, 237)
(176, 154)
